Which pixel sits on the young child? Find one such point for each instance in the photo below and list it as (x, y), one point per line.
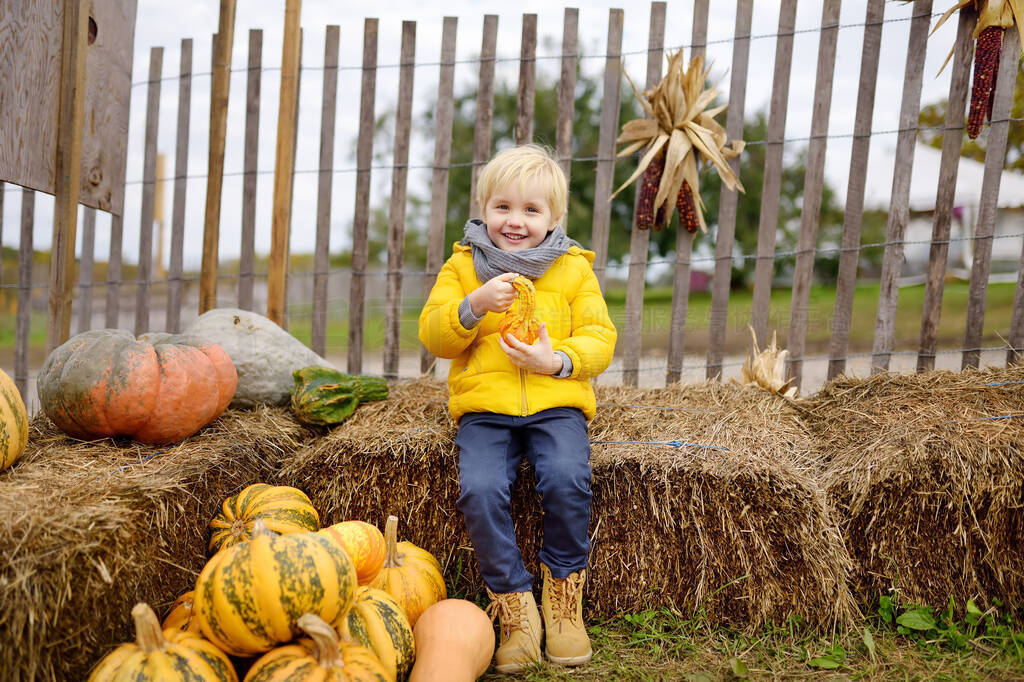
(510, 398)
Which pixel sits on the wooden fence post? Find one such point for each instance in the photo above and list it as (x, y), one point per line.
(527, 81)
(445, 114)
(899, 206)
(608, 131)
(325, 184)
(68, 169)
(284, 165)
(85, 270)
(361, 217)
(396, 210)
(640, 239)
(484, 108)
(23, 319)
(247, 253)
(145, 271)
(175, 264)
(849, 252)
(567, 90)
(729, 198)
(215, 173)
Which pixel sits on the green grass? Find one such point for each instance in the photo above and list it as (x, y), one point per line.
(895, 642)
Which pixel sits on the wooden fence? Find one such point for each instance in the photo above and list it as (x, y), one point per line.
(630, 349)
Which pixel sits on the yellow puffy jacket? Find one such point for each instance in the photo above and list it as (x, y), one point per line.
(481, 377)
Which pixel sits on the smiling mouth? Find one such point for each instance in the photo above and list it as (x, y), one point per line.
(514, 237)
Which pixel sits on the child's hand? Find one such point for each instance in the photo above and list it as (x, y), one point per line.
(495, 295)
(537, 358)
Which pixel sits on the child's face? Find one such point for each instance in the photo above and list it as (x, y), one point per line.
(519, 218)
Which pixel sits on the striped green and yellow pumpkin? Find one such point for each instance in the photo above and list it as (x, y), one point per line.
(163, 656)
(282, 508)
(250, 596)
(182, 615)
(379, 623)
(410, 574)
(321, 657)
(13, 422)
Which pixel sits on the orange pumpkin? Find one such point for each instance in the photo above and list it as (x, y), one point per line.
(320, 657)
(519, 320)
(182, 616)
(156, 389)
(163, 656)
(364, 544)
(410, 574)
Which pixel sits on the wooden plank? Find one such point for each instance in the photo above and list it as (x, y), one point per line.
(30, 59)
(85, 270)
(771, 189)
(484, 108)
(291, 178)
(608, 131)
(850, 242)
(728, 201)
(567, 90)
(2, 192)
(814, 179)
(284, 164)
(899, 205)
(156, 62)
(639, 239)
(995, 157)
(23, 318)
(328, 111)
(176, 264)
(220, 89)
(684, 240)
(443, 118)
(68, 171)
(527, 81)
(112, 308)
(247, 254)
(361, 218)
(952, 137)
(396, 211)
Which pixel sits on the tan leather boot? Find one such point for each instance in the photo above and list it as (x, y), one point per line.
(519, 644)
(565, 636)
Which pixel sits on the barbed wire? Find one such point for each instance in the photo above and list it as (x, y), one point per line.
(313, 68)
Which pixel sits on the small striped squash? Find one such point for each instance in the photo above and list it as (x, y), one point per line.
(13, 422)
(410, 574)
(378, 622)
(282, 508)
(163, 656)
(321, 657)
(182, 616)
(364, 544)
(250, 596)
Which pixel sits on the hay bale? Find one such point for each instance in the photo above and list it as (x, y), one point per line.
(927, 486)
(742, 533)
(90, 528)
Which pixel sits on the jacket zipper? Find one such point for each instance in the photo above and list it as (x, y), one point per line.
(522, 388)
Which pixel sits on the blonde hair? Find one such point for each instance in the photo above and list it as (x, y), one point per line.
(522, 164)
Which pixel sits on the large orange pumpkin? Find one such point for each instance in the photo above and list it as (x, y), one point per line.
(364, 544)
(410, 574)
(163, 656)
(157, 389)
(250, 596)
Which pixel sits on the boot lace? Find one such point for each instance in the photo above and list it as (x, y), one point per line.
(564, 593)
(510, 610)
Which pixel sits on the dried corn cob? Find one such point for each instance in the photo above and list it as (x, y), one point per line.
(986, 67)
(645, 214)
(687, 209)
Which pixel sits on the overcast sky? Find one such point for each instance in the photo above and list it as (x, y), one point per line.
(165, 24)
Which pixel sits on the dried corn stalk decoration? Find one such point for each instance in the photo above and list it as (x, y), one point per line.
(679, 133)
(994, 17)
(766, 369)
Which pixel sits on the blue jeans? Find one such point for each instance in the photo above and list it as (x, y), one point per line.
(491, 446)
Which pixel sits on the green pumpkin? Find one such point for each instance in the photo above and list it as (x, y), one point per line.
(323, 395)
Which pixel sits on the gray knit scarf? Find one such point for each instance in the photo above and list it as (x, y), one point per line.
(489, 261)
